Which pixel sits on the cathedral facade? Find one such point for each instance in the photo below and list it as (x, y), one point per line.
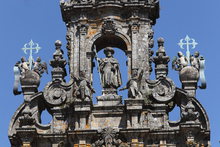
(141, 119)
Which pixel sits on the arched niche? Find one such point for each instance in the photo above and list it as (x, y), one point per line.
(117, 40)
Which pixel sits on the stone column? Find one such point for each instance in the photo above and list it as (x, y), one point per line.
(134, 27)
(82, 29)
(74, 56)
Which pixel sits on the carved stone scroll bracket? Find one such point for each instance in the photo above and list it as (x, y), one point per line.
(163, 90)
(55, 94)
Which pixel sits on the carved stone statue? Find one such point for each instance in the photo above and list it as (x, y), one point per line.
(23, 66)
(40, 67)
(84, 89)
(194, 60)
(179, 63)
(109, 70)
(133, 84)
(27, 76)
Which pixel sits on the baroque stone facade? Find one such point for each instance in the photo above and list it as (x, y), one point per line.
(143, 118)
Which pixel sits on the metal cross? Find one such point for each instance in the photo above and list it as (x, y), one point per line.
(187, 41)
(31, 46)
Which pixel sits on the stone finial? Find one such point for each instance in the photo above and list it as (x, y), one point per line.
(58, 63)
(161, 60)
(190, 72)
(29, 78)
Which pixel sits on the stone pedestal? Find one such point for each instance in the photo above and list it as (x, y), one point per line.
(58, 124)
(82, 109)
(27, 136)
(109, 98)
(133, 107)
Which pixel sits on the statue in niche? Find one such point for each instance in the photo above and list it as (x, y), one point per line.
(84, 89)
(109, 70)
(179, 63)
(133, 84)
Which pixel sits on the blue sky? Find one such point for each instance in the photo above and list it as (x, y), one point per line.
(40, 20)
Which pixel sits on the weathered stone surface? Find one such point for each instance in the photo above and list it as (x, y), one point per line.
(142, 119)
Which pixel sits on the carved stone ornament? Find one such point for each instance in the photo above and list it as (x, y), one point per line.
(189, 112)
(108, 26)
(134, 27)
(109, 138)
(163, 90)
(54, 94)
(83, 28)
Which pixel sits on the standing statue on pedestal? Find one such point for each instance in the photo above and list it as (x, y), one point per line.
(109, 70)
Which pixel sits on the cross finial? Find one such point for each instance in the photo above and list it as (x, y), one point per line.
(188, 42)
(31, 46)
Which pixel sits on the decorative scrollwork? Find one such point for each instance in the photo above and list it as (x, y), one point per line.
(54, 94)
(163, 90)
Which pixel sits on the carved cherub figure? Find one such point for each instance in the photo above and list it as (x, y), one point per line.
(83, 88)
(40, 67)
(133, 84)
(179, 63)
(23, 66)
(194, 60)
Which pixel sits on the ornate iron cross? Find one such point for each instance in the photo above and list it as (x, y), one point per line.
(188, 42)
(31, 46)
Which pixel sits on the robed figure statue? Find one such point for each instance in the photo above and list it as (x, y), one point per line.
(109, 70)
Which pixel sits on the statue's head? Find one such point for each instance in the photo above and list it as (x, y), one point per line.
(180, 54)
(192, 58)
(160, 41)
(82, 74)
(134, 72)
(196, 54)
(38, 59)
(23, 59)
(58, 44)
(109, 51)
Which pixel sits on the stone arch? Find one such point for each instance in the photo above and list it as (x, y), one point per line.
(114, 40)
